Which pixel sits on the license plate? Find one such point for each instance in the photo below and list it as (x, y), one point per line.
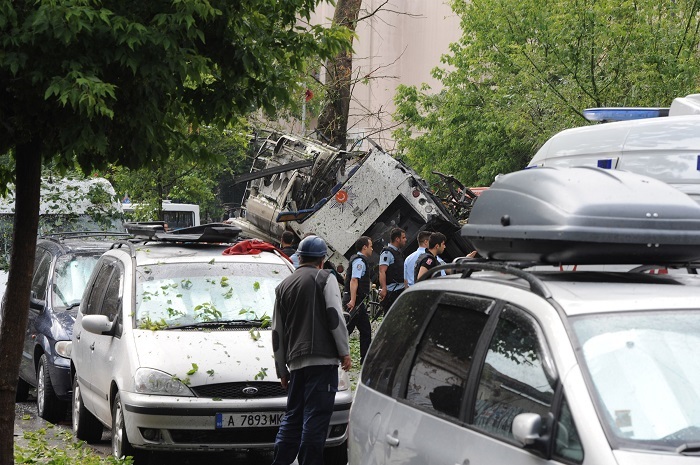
(248, 420)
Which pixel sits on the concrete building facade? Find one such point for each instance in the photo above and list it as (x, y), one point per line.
(399, 43)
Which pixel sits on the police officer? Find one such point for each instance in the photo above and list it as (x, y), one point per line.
(309, 337)
(391, 278)
(357, 289)
(429, 260)
(409, 266)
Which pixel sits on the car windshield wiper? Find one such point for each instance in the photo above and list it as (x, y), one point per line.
(72, 306)
(689, 448)
(219, 324)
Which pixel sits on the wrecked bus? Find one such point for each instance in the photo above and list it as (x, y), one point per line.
(305, 186)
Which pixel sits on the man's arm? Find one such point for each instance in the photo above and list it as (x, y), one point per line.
(421, 271)
(382, 281)
(354, 284)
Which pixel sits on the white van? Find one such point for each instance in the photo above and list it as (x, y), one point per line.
(176, 215)
(67, 204)
(666, 148)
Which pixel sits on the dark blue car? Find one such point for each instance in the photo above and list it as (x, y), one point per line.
(62, 268)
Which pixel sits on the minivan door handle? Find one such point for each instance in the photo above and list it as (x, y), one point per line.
(393, 441)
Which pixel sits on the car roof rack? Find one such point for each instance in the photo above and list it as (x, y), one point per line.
(61, 236)
(467, 266)
(206, 233)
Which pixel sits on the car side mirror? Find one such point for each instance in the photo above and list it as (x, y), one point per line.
(36, 303)
(97, 324)
(533, 431)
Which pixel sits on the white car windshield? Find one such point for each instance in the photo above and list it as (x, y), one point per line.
(645, 371)
(182, 294)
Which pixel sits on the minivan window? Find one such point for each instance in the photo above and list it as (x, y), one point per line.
(42, 265)
(439, 373)
(392, 347)
(513, 379)
(111, 303)
(98, 289)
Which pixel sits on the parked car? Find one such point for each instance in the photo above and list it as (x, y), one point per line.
(172, 348)
(497, 363)
(62, 267)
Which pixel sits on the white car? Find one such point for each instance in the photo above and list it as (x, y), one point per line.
(172, 351)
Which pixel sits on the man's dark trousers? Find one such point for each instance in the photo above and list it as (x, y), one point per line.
(310, 397)
(360, 319)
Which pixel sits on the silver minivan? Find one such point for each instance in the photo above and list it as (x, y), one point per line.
(498, 363)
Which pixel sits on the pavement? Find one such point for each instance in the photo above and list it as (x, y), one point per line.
(27, 421)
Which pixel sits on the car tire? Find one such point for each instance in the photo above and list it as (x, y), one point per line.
(336, 455)
(121, 447)
(48, 406)
(86, 426)
(22, 393)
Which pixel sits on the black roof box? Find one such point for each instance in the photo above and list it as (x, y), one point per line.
(584, 216)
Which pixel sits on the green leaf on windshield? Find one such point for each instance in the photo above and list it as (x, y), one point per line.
(194, 369)
(256, 285)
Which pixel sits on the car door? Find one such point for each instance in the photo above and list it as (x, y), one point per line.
(385, 366)
(83, 341)
(106, 346)
(425, 425)
(516, 376)
(37, 304)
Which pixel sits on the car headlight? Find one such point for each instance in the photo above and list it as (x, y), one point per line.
(63, 348)
(150, 381)
(343, 380)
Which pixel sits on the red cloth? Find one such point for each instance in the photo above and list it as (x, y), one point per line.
(253, 247)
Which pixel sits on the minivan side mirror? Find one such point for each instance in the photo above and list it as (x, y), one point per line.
(533, 431)
(97, 324)
(35, 303)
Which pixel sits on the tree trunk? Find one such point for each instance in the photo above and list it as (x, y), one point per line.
(333, 122)
(15, 304)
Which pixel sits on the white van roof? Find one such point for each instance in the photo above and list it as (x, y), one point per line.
(666, 148)
(70, 196)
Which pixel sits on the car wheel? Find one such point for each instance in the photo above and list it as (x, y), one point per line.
(121, 447)
(336, 455)
(85, 425)
(48, 406)
(22, 393)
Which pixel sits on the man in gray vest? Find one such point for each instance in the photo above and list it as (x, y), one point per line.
(309, 338)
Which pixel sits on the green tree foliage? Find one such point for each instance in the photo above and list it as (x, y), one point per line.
(183, 180)
(524, 70)
(127, 81)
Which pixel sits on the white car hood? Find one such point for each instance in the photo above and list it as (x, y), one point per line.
(624, 457)
(210, 357)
